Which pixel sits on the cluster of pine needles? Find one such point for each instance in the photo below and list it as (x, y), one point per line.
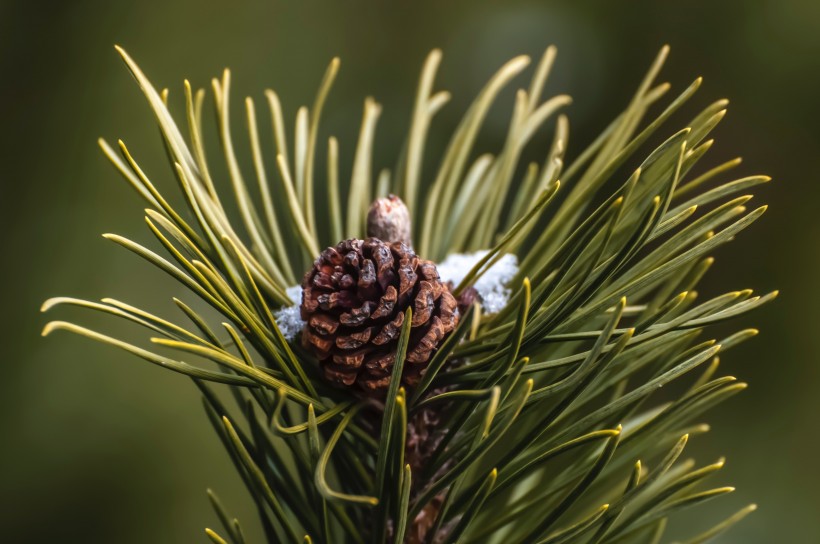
(555, 420)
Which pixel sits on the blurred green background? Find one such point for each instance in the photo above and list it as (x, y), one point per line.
(99, 447)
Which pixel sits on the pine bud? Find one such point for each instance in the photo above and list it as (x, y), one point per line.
(389, 220)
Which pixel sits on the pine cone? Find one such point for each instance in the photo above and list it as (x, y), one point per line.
(353, 304)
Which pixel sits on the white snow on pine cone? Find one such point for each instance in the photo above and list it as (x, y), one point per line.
(492, 287)
(289, 318)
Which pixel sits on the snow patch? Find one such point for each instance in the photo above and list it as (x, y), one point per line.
(492, 286)
(288, 318)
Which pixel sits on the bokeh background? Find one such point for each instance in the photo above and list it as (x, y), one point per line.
(99, 447)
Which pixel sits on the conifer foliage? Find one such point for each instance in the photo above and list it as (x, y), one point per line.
(560, 417)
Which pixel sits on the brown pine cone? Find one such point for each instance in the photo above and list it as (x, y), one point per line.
(353, 304)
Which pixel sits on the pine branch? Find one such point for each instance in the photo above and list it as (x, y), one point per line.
(535, 423)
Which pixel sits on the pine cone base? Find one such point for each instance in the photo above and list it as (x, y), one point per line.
(353, 304)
